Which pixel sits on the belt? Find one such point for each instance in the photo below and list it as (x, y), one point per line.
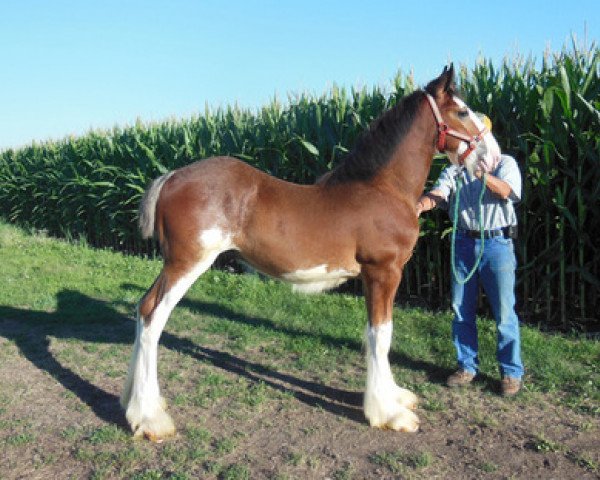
(506, 232)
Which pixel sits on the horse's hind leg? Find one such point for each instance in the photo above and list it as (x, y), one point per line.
(144, 407)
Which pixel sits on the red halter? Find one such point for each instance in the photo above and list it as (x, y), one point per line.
(444, 130)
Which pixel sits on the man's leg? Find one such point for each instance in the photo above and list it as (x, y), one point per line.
(464, 304)
(498, 279)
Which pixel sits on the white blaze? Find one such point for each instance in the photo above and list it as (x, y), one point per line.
(486, 155)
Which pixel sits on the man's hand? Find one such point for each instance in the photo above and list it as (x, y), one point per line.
(427, 201)
(497, 186)
(481, 167)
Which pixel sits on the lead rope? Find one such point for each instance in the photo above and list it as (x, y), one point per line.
(454, 228)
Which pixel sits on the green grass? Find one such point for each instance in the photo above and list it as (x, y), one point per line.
(345, 473)
(108, 434)
(543, 444)
(44, 280)
(398, 462)
(585, 461)
(19, 439)
(235, 472)
(488, 467)
(236, 347)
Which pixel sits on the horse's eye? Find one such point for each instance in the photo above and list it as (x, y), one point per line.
(463, 114)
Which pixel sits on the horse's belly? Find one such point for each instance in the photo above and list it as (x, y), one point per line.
(319, 278)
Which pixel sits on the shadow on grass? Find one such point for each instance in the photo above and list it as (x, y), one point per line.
(80, 317)
(434, 372)
(77, 317)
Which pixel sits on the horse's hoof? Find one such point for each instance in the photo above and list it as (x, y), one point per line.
(155, 429)
(153, 437)
(395, 417)
(404, 422)
(408, 399)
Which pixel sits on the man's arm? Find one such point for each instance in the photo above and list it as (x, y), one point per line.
(497, 186)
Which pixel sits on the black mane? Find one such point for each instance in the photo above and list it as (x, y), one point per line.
(375, 145)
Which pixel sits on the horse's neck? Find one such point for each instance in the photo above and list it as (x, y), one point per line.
(412, 157)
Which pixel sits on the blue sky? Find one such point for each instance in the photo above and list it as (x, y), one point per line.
(71, 66)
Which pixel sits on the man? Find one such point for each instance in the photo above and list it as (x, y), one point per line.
(496, 269)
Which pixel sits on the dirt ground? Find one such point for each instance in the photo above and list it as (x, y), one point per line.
(303, 429)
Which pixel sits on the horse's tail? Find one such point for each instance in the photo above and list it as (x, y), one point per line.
(147, 209)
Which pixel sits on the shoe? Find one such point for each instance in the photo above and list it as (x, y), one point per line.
(510, 386)
(460, 378)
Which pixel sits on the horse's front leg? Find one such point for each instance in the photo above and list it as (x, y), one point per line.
(386, 405)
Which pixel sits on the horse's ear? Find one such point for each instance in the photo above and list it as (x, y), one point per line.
(444, 84)
(450, 86)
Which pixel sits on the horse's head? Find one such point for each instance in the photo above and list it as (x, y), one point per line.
(461, 133)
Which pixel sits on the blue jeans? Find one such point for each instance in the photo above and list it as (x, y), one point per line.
(496, 273)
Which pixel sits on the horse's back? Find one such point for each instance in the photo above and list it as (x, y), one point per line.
(281, 228)
(278, 226)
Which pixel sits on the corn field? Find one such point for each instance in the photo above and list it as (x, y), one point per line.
(546, 116)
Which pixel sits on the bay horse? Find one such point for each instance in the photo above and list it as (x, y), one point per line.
(359, 220)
